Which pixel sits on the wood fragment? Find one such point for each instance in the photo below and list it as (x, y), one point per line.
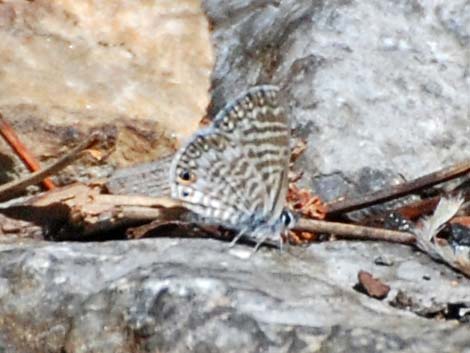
(78, 211)
(419, 208)
(175, 228)
(22, 151)
(463, 220)
(397, 191)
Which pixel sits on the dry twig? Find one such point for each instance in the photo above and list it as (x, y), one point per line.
(22, 151)
(9, 189)
(354, 231)
(397, 191)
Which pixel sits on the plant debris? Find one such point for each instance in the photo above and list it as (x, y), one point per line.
(302, 202)
(22, 151)
(455, 254)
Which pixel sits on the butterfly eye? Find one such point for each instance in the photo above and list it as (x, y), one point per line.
(287, 218)
(185, 177)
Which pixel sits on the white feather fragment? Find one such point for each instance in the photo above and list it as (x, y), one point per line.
(458, 257)
(445, 210)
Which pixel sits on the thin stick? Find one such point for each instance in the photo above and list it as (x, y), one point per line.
(354, 231)
(400, 190)
(22, 151)
(9, 189)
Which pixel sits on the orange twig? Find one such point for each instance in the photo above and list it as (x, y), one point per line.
(9, 189)
(22, 151)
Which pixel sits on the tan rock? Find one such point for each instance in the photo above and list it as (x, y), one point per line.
(70, 66)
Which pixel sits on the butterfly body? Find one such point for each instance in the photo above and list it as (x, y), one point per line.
(234, 172)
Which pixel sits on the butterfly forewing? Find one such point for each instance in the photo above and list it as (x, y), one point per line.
(235, 171)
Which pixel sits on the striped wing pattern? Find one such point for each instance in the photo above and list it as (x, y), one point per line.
(234, 172)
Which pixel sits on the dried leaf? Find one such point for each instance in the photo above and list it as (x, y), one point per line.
(305, 204)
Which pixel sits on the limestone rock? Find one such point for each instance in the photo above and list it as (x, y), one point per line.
(196, 295)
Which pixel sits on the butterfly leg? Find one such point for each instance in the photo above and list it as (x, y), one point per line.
(284, 239)
(281, 243)
(237, 237)
(260, 242)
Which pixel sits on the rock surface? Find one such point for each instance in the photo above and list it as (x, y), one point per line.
(378, 89)
(135, 69)
(197, 295)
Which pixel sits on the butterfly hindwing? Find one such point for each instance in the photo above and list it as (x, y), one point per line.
(209, 176)
(235, 171)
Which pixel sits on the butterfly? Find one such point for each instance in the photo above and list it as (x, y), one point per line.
(234, 173)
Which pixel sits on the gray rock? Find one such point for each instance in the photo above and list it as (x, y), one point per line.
(197, 295)
(378, 85)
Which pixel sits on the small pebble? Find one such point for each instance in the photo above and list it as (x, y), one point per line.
(383, 261)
